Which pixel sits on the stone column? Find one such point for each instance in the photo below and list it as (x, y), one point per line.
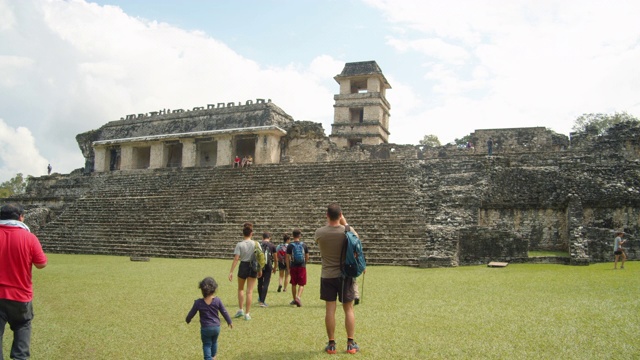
(100, 159)
(126, 157)
(578, 244)
(189, 152)
(158, 156)
(225, 151)
(267, 149)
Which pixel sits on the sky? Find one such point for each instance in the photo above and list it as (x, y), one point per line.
(67, 67)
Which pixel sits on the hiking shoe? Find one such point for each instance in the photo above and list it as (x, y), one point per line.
(263, 304)
(279, 288)
(352, 348)
(298, 302)
(247, 317)
(240, 313)
(330, 348)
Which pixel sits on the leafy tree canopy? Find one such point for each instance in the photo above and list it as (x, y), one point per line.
(601, 122)
(463, 140)
(17, 185)
(430, 140)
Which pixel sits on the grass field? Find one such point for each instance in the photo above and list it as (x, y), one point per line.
(104, 307)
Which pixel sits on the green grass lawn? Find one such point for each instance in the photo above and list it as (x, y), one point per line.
(104, 307)
(548, 253)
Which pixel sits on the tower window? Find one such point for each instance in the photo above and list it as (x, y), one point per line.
(357, 115)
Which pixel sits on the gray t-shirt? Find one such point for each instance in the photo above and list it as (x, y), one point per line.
(245, 248)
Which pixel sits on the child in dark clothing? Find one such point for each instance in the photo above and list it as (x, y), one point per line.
(208, 307)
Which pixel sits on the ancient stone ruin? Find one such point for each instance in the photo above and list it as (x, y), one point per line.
(161, 184)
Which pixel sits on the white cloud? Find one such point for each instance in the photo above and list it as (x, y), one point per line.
(18, 153)
(518, 63)
(85, 65)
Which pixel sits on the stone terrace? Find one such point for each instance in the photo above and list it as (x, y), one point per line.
(198, 212)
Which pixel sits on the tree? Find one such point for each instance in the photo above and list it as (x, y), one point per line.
(17, 185)
(463, 141)
(601, 122)
(430, 141)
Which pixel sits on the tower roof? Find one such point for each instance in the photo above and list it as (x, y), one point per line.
(362, 68)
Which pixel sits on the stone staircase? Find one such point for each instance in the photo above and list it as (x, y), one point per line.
(199, 212)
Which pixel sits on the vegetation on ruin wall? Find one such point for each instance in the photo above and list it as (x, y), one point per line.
(16, 185)
(599, 123)
(103, 307)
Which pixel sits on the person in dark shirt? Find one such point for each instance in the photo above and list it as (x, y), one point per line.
(209, 307)
(269, 250)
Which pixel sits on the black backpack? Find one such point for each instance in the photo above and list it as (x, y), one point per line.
(268, 256)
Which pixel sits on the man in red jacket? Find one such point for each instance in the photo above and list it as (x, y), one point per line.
(19, 251)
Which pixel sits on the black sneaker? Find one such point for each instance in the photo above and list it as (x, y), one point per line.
(330, 348)
(352, 348)
(279, 288)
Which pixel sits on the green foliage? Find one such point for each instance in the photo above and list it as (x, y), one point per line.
(601, 122)
(463, 140)
(107, 307)
(430, 141)
(16, 185)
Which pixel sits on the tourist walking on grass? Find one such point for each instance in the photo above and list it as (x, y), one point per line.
(269, 251)
(283, 279)
(209, 307)
(246, 275)
(618, 250)
(297, 258)
(20, 250)
(331, 239)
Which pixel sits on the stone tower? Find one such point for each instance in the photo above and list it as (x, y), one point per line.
(361, 114)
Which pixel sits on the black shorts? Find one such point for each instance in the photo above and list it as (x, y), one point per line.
(617, 252)
(282, 266)
(340, 288)
(244, 271)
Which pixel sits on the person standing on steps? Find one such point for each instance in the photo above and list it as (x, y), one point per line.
(242, 253)
(20, 250)
(331, 239)
(271, 259)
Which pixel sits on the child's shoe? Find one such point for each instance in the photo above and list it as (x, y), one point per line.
(247, 317)
(240, 313)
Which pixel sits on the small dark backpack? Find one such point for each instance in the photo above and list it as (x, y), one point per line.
(282, 253)
(268, 257)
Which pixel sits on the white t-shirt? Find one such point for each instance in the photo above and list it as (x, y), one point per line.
(245, 248)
